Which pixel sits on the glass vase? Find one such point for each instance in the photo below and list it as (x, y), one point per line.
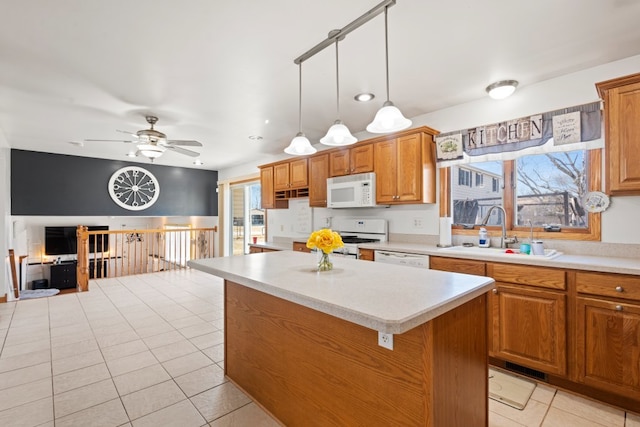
(325, 263)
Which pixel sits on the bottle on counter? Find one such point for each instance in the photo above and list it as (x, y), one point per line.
(483, 238)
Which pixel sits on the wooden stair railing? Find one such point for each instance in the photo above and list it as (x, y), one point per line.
(116, 253)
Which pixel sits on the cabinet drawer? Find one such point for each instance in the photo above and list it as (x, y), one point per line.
(456, 265)
(543, 277)
(609, 285)
(300, 247)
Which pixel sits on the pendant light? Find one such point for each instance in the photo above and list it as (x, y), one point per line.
(300, 145)
(388, 118)
(338, 134)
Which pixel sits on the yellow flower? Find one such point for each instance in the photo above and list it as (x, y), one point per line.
(325, 239)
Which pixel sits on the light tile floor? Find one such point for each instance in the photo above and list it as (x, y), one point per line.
(147, 350)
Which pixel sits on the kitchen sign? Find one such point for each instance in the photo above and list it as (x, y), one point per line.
(566, 126)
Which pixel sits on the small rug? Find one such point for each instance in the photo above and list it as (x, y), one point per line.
(510, 390)
(38, 293)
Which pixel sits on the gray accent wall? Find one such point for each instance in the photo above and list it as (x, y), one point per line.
(57, 184)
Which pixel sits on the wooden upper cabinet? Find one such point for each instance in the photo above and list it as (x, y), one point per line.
(266, 188)
(318, 174)
(405, 169)
(622, 134)
(288, 175)
(358, 159)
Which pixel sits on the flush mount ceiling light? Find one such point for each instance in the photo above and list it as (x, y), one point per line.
(502, 89)
(364, 97)
(198, 162)
(338, 134)
(300, 145)
(388, 118)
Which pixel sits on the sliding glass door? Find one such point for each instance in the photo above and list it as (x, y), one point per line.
(247, 224)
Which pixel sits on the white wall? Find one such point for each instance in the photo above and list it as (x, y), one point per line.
(5, 214)
(569, 90)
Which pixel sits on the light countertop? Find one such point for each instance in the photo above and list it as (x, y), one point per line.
(387, 298)
(603, 264)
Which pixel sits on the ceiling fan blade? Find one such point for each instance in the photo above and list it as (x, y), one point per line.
(133, 134)
(184, 142)
(181, 150)
(109, 140)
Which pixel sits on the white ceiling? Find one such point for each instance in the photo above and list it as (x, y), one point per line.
(215, 71)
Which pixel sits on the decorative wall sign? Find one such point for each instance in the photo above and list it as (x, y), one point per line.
(134, 188)
(566, 128)
(449, 147)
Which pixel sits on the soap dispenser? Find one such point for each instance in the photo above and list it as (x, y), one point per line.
(483, 238)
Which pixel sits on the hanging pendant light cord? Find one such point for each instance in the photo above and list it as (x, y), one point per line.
(386, 46)
(300, 97)
(337, 83)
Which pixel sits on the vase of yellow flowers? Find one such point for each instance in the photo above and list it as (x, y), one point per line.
(326, 241)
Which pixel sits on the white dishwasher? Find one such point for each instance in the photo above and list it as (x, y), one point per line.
(401, 258)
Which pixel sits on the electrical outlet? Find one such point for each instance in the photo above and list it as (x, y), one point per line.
(417, 223)
(385, 340)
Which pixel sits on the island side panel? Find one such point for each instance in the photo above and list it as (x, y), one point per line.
(309, 368)
(460, 347)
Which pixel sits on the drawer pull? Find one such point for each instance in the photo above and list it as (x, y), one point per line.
(618, 308)
(495, 290)
(619, 289)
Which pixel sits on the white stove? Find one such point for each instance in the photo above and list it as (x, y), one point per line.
(355, 231)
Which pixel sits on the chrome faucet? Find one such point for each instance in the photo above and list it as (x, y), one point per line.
(504, 240)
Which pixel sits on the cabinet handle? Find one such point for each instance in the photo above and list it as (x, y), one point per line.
(619, 289)
(618, 308)
(494, 290)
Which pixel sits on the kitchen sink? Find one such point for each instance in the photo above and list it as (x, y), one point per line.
(478, 251)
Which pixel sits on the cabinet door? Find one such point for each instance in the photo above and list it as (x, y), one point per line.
(339, 163)
(366, 254)
(281, 176)
(608, 349)
(266, 188)
(299, 173)
(409, 169)
(318, 174)
(622, 109)
(529, 327)
(361, 159)
(386, 167)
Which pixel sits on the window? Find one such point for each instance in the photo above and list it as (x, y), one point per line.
(479, 180)
(535, 190)
(549, 189)
(464, 177)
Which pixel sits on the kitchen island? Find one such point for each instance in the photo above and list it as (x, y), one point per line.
(305, 345)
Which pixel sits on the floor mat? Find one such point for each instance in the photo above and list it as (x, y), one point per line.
(38, 293)
(510, 390)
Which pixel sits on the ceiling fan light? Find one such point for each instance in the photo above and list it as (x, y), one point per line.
(502, 89)
(300, 146)
(388, 119)
(338, 135)
(151, 151)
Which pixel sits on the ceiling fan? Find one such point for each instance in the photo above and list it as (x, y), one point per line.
(152, 143)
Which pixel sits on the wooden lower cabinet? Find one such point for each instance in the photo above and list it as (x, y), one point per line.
(608, 345)
(366, 254)
(259, 250)
(529, 327)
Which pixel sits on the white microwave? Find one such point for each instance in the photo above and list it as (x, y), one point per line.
(352, 191)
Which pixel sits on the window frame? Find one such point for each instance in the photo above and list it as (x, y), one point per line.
(591, 233)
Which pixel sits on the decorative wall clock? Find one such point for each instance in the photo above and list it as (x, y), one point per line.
(134, 188)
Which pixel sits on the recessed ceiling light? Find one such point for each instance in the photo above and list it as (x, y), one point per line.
(255, 137)
(131, 154)
(198, 162)
(502, 89)
(266, 122)
(77, 143)
(364, 97)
